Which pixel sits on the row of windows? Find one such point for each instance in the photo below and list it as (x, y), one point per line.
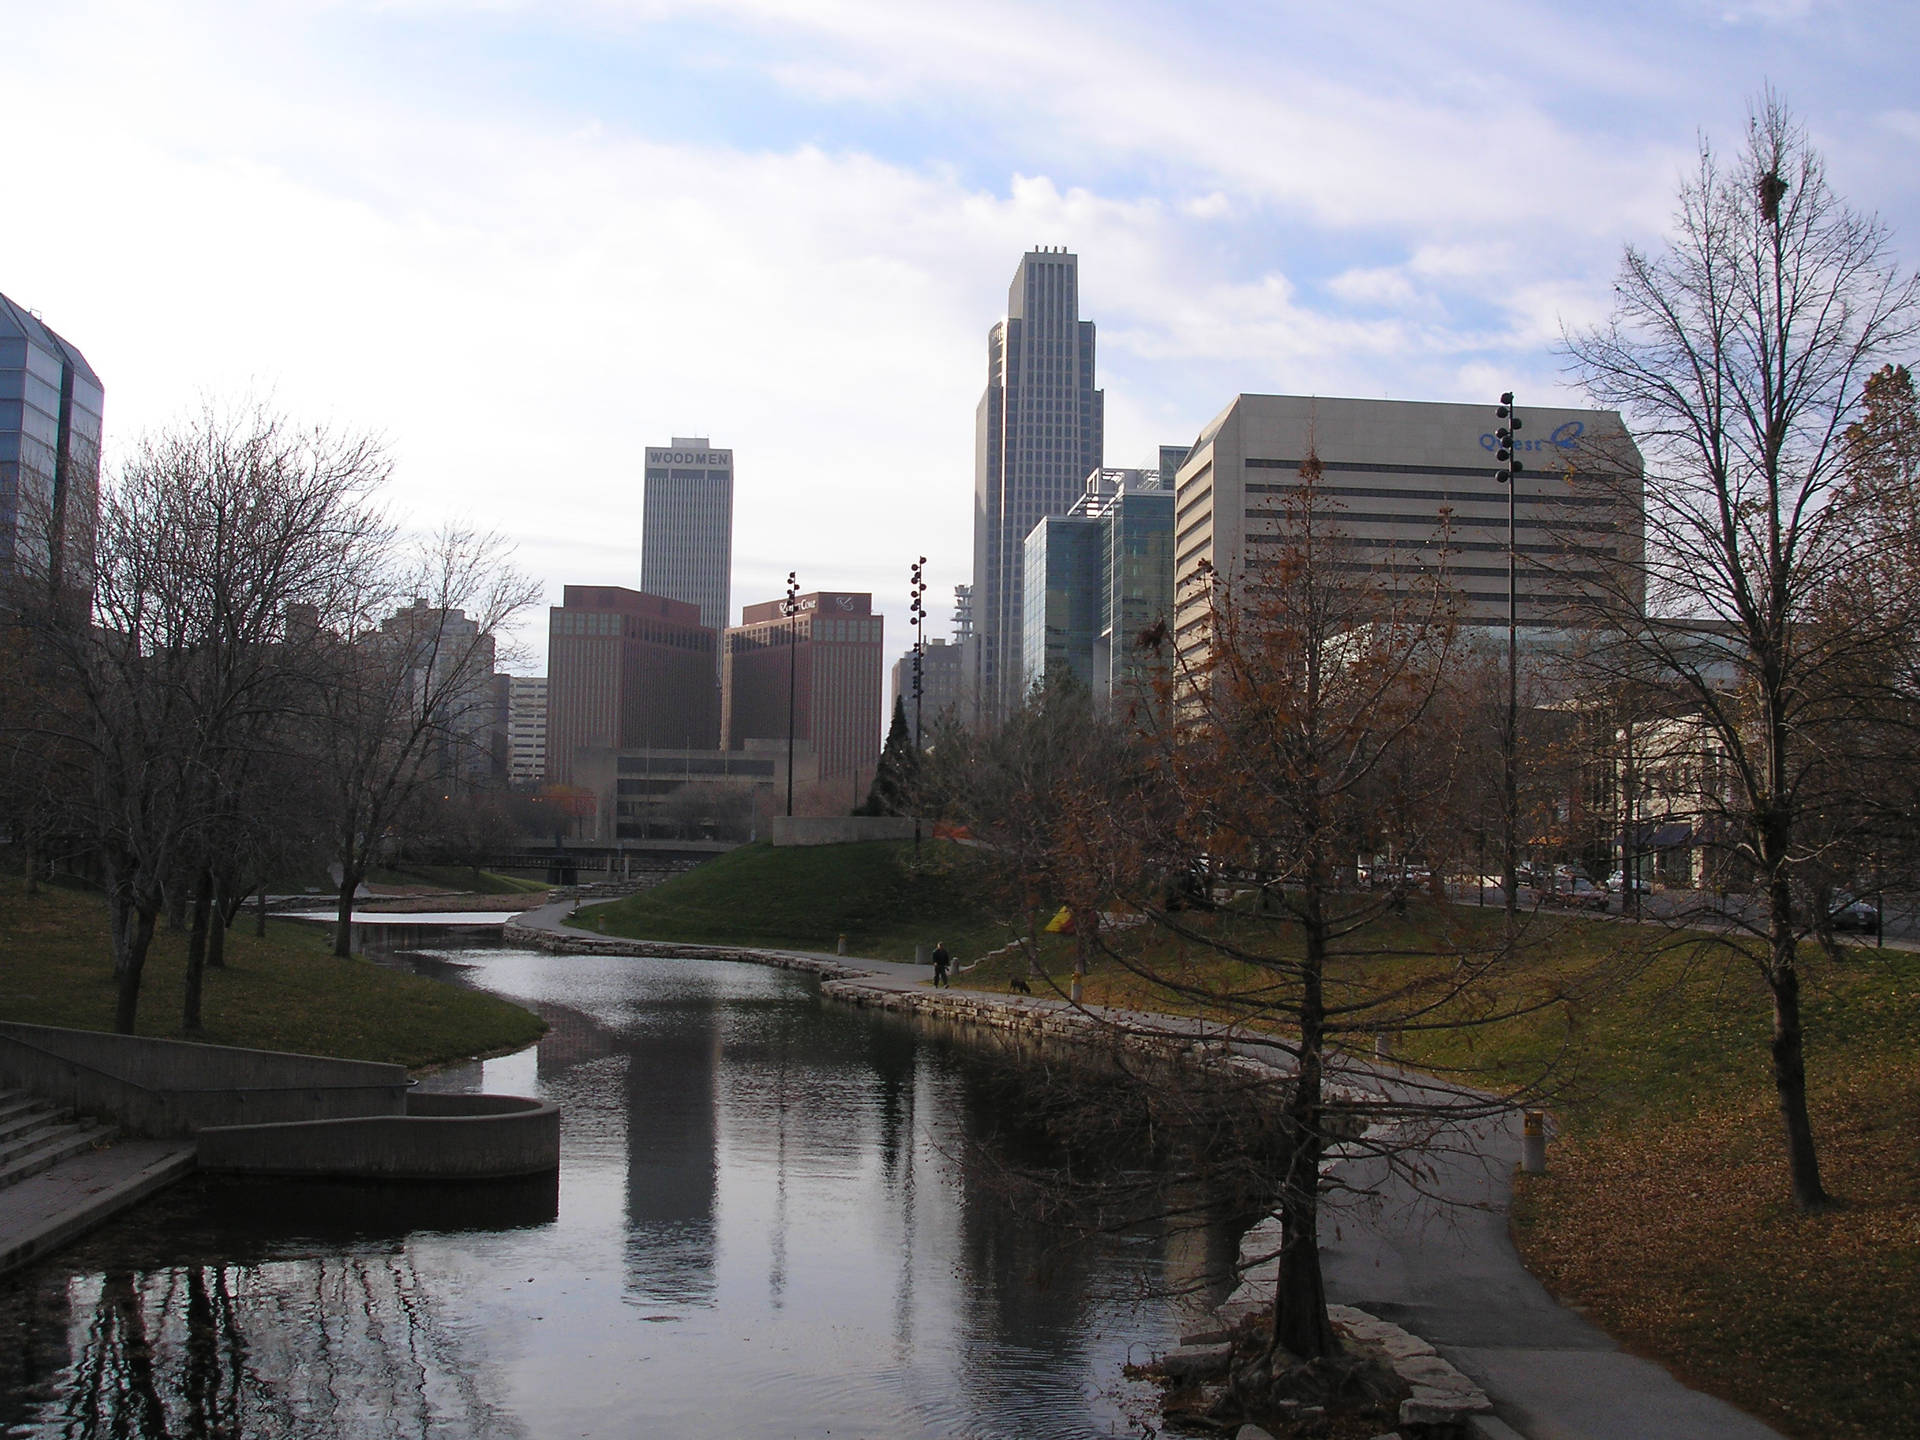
(1350, 517)
(1497, 495)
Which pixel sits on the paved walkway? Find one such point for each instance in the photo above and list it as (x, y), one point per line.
(1442, 1265)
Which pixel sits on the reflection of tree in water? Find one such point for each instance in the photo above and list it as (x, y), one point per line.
(339, 1346)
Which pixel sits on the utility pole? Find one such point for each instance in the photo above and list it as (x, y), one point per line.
(918, 610)
(790, 607)
(1507, 454)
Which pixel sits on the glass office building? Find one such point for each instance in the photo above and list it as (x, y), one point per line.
(1095, 579)
(50, 407)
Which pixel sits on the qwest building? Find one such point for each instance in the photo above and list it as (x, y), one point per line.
(1395, 473)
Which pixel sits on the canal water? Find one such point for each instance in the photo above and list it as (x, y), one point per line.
(775, 1217)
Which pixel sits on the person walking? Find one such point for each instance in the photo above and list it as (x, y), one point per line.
(942, 961)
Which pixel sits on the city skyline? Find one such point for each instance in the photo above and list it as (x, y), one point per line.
(1374, 204)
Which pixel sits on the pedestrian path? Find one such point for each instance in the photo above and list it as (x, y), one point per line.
(1436, 1260)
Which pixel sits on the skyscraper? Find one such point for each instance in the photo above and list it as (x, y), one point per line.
(50, 403)
(686, 540)
(1038, 433)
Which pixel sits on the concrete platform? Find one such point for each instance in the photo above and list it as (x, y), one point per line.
(47, 1210)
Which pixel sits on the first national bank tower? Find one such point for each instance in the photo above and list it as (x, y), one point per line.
(686, 539)
(1038, 434)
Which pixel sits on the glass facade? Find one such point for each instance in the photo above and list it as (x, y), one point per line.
(1095, 580)
(50, 426)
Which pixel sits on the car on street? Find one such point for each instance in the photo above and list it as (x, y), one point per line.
(1579, 893)
(1847, 913)
(1620, 884)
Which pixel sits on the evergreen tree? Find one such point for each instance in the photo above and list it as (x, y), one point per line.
(896, 779)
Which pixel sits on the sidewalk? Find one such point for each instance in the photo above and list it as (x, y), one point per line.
(1441, 1265)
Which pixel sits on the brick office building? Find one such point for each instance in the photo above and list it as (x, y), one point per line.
(626, 671)
(838, 667)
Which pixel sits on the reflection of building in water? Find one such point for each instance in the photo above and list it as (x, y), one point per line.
(671, 1150)
(334, 1346)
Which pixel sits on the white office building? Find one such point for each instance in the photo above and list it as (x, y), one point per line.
(1403, 481)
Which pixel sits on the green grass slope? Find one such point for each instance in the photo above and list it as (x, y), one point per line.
(283, 992)
(877, 894)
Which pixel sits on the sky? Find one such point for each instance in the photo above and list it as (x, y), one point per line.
(520, 242)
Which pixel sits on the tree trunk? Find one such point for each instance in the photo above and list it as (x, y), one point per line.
(223, 913)
(260, 915)
(135, 934)
(1300, 1323)
(1789, 1053)
(343, 922)
(197, 950)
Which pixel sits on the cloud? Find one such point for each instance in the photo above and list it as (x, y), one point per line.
(393, 217)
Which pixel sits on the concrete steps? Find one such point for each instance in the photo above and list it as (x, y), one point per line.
(36, 1136)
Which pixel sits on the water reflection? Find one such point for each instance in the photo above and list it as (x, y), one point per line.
(768, 1223)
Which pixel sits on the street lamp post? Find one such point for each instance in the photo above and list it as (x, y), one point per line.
(790, 607)
(1508, 474)
(918, 610)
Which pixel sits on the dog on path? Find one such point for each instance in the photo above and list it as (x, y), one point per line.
(1019, 983)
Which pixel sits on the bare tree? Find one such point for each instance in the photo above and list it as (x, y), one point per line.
(1738, 353)
(405, 692)
(209, 537)
(1324, 725)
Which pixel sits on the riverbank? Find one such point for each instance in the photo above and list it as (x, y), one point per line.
(884, 897)
(1812, 1322)
(1434, 1255)
(285, 991)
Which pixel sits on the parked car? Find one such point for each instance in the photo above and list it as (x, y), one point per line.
(1580, 893)
(1621, 884)
(1848, 913)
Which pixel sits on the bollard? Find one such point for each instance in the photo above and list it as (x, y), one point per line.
(1533, 1143)
(1382, 1047)
(843, 945)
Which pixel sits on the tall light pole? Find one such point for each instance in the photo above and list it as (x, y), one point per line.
(918, 610)
(1507, 454)
(790, 607)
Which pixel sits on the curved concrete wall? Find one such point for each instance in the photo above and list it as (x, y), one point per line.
(165, 1088)
(441, 1137)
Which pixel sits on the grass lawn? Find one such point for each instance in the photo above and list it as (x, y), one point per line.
(1667, 1214)
(284, 992)
(456, 877)
(805, 897)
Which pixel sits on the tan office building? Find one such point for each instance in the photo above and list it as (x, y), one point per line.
(1391, 468)
(626, 671)
(835, 648)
